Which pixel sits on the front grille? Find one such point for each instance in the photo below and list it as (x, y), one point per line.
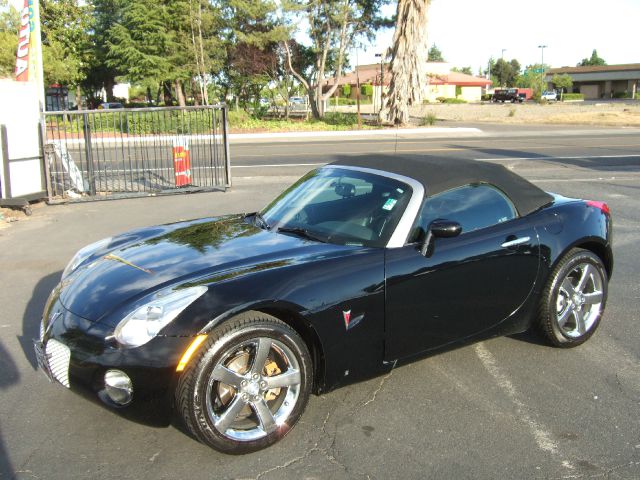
(58, 356)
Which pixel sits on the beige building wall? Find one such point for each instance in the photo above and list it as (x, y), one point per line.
(590, 91)
(471, 94)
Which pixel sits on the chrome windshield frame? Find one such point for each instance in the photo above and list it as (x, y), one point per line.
(403, 229)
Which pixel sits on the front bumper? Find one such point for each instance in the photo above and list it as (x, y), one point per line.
(77, 353)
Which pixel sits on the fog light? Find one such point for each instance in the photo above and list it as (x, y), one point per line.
(118, 387)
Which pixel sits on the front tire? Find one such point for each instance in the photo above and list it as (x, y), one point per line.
(574, 299)
(247, 386)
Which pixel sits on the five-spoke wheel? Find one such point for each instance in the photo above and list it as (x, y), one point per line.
(574, 299)
(248, 386)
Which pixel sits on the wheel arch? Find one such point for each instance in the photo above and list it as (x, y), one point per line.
(290, 315)
(596, 246)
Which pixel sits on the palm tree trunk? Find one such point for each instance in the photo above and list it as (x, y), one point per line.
(408, 60)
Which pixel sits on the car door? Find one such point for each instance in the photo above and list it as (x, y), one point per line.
(470, 283)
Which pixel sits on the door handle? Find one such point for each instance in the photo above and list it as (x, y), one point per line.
(515, 242)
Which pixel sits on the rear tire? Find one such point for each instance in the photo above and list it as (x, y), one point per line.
(247, 386)
(574, 299)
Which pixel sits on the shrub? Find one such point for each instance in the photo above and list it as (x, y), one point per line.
(573, 96)
(366, 90)
(512, 112)
(429, 119)
(458, 90)
(622, 95)
(637, 96)
(346, 90)
(451, 100)
(486, 97)
(339, 118)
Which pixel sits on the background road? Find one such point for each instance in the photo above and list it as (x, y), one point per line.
(505, 408)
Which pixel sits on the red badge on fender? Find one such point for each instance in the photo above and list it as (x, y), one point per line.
(347, 318)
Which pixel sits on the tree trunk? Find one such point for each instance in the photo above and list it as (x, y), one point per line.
(79, 97)
(180, 93)
(149, 97)
(168, 96)
(409, 55)
(108, 88)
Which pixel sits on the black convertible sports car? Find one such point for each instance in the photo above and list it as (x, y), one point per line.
(360, 265)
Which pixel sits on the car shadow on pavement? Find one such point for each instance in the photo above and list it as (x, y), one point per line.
(9, 376)
(532, 336)
(33, 315)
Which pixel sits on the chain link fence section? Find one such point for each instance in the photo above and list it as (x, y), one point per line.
(136, 152)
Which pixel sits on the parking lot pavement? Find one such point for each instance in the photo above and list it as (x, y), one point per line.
(506, 408)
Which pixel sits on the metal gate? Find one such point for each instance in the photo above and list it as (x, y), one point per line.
(135, 152)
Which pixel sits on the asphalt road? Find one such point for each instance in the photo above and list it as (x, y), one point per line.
(506, 408)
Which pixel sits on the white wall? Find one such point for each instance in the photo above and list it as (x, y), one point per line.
(20, 114)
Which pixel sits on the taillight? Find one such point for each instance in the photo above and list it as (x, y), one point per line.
(599, 205)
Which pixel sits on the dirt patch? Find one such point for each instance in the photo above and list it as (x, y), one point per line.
(614, 114)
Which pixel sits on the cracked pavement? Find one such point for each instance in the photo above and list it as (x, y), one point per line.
(504, 408)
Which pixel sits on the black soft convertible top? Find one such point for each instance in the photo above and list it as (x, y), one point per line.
(438, 174)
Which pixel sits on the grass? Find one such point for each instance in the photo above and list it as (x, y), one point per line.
(429, 119)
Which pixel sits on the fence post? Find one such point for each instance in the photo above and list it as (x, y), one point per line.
(89, 154)
(225, 139)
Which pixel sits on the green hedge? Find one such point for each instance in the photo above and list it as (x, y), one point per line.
(637, 96)
(573, 96)
(451, 100)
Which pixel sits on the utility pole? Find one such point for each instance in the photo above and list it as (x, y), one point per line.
(502, 55)
(542, 47)
(358, 90)
(381, 55)
(502, 58)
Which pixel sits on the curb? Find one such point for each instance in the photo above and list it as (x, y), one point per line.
(389, 132)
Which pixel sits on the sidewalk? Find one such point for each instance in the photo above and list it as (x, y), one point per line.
(389, 133)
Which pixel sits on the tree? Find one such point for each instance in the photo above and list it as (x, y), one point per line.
(334, 26)
(408, 70)
(505, 72)
(65, 40)
(434, 54)
(595, 60)
(465, 70)
(562, 82)
(252, 43)
(140, 42)
(9, 25)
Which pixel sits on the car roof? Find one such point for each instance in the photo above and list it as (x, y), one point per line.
(439, 174)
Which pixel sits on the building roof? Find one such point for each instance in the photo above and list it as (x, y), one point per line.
(439, 174)
(596, 68)
(371, 74)
(457, 78)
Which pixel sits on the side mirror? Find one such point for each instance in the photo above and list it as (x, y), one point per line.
(438, 229)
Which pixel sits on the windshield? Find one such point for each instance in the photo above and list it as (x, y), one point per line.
(341, 206)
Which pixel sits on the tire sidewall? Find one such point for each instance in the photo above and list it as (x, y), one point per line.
(204, 425)
(581, 256)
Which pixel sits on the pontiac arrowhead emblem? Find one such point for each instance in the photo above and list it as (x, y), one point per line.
(347, 318)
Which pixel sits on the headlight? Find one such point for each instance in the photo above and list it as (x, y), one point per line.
(83, 254)
(146, 321)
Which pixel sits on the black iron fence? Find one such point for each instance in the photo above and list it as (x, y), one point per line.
(139, 151)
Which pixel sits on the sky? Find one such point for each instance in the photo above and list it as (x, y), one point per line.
(468, 32)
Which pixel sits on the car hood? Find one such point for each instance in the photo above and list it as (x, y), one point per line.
(150, 259)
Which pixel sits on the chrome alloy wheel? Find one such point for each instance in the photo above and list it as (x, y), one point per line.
(579, 300)
(253, 389)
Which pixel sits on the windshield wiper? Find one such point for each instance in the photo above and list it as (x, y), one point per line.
(261, 221)
(303, 232)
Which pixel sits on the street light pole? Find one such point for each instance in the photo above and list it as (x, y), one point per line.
(542, 47)
(502, 55)
(381, 55)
